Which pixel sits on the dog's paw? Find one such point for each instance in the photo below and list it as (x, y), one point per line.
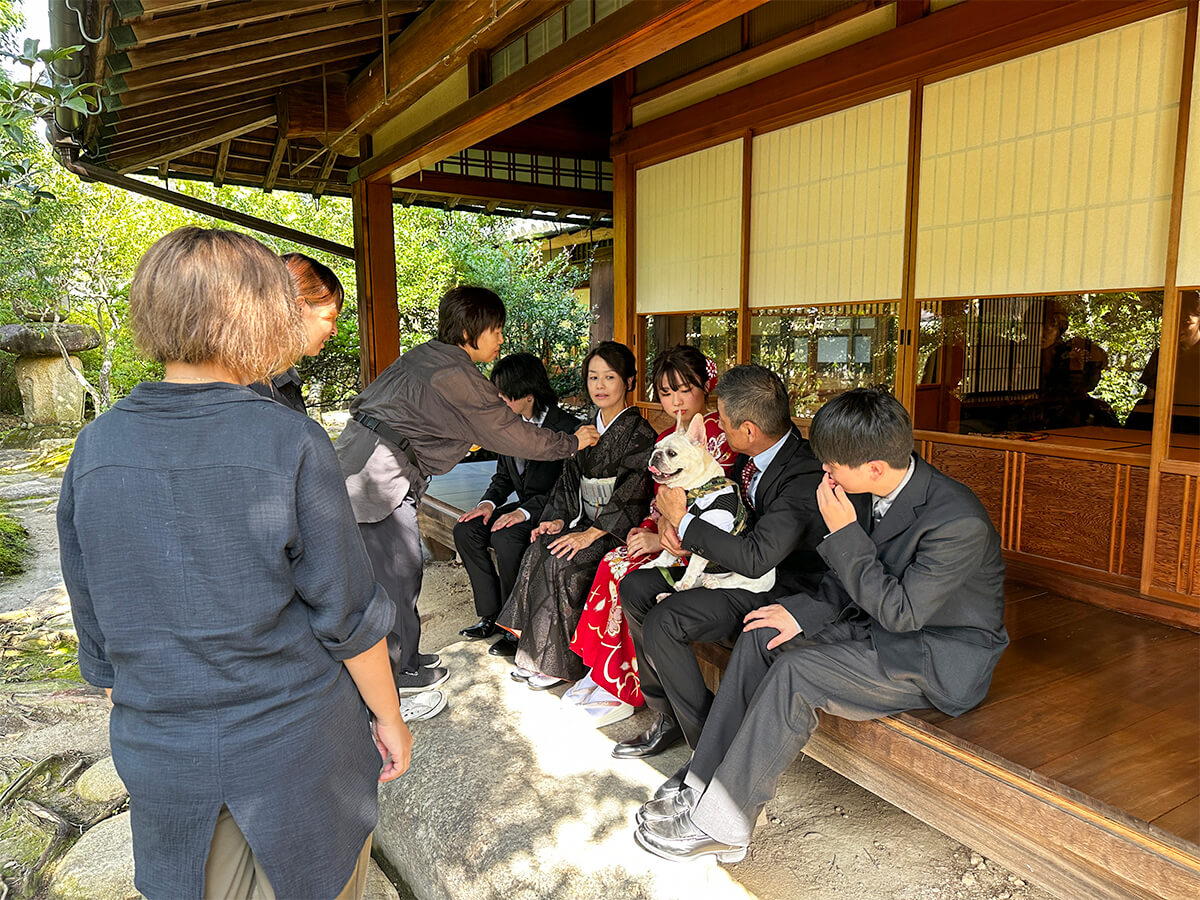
(663, 596)
(711, 581)
(685, 584)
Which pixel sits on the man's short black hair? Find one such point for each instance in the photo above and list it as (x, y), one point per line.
(522, 375)
(860, 426)
(618, 357)
(752, 393)
(470, 309)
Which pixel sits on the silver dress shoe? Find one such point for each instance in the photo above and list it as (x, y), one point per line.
(668, 807)
(679, 839)
(674, 784)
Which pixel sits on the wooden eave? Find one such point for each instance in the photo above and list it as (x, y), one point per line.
(261, 94)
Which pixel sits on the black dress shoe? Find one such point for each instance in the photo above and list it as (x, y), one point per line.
(662, 735)
(481, 630)
(506, 646)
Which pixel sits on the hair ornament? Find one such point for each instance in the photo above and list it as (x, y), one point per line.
(710, 375)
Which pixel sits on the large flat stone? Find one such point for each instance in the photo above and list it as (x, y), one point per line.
(511, 794)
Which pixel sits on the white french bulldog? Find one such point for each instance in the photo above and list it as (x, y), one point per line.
(681, 459)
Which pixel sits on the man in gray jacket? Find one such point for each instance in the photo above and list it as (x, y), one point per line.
(419, 418)
(910, 615)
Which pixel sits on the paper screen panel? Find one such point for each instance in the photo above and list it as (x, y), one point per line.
(1052, 173)
(689, 232)
(1188, 272)
(827, 207)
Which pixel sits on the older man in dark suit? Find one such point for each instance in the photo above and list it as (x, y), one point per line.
(910, 615)
(779, 476)
(495, 523)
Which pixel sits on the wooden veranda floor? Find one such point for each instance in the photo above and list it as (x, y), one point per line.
(1100, 702)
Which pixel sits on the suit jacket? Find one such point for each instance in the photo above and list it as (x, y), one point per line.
(436, 397)
(929, 583)
(533, 485)
(786, 529)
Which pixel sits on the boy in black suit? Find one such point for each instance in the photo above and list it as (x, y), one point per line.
(505, 527)
(910, 614)
(779, 475)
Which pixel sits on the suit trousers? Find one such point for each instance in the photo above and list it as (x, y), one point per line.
(662, 635)
(491, 583)
(394, 548)
(766, 710)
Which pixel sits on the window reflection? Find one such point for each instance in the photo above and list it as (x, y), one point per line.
(820, 351)
(714, 334)
(1185, 409)
(1014, 365)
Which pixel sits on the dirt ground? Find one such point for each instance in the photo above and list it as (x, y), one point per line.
(823, 837)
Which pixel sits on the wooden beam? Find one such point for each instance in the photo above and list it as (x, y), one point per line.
(121, 119)
(96, 173)
(222, 130)
(326, 170)
(129, 140)
(631, 35)
(353, 40)
(145, 31)
(263, 33)
(281, 145)
(961, 38)
(293, 70)
(910, 10)
(438, 41)
(222, 164)
(375, 249)
(506, 191)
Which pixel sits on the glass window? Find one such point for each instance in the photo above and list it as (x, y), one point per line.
(1012, 366)
(820, 351)
(715, 334)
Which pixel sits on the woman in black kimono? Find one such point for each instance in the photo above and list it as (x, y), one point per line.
(603, 492)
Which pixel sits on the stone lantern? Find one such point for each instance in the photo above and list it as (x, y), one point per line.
(50, 393)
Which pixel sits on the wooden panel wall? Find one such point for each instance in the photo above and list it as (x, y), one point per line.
(1177, 561)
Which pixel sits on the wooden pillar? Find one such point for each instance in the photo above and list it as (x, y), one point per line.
(375, 267)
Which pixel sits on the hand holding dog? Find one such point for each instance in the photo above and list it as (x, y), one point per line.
(668, 539)
(772, 616)
(836, 508)
(672, 503)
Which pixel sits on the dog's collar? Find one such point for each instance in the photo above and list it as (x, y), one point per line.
(711, 486)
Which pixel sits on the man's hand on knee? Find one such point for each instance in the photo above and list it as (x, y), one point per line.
(772, 616)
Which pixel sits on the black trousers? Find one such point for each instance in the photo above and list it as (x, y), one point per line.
(491, 583)
(662, 636)
(394, 548)
(766, 710)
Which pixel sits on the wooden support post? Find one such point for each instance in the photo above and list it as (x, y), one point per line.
(375, 266)
(743, 325)
(281, 144)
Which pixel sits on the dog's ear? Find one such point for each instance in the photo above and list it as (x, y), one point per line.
(696, 433)
(678, 421)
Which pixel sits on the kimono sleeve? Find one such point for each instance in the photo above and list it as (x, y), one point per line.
(93, 661)
(349, 612)
(563, 502)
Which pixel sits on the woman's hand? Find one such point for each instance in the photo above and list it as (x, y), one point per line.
(587, 436)
(570, 544)
(482, 511)
(394, 741)
(643, 542)
(551, 526)
(508, 519)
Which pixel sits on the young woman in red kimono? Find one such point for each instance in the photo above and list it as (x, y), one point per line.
(682, 378)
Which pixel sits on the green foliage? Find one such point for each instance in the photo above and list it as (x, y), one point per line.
(14, 544)
(545, 317)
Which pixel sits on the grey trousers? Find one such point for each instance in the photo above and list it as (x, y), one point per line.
(766, 710)
(394, 548)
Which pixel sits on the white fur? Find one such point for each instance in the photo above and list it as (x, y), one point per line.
(681, 459)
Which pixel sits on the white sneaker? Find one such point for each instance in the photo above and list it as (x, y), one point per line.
(424, 705)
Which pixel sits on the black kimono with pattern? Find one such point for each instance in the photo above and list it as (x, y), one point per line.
(549, 595)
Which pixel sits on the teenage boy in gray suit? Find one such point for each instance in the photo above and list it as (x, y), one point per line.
(910, 615)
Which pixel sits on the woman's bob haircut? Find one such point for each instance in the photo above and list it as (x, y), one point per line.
(206, 295)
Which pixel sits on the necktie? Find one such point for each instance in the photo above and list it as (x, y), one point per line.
(748, 473)
(876, 515)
